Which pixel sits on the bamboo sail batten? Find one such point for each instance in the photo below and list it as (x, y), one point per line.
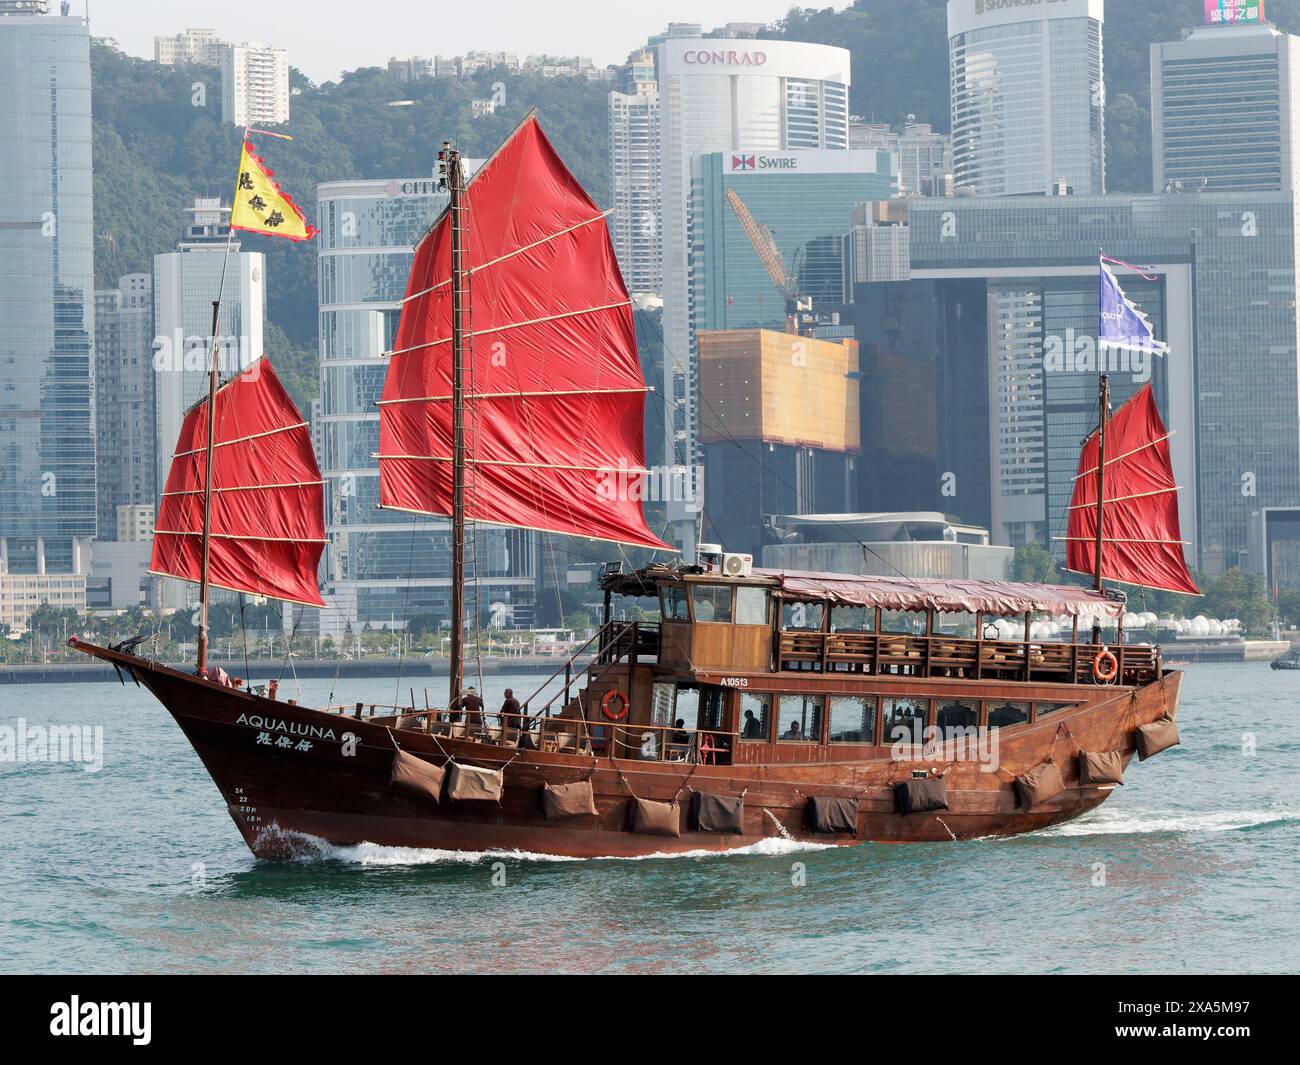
(510, 255)
(469, 335)
(1120, 458)
(518, 395)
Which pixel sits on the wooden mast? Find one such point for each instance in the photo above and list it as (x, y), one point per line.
(1103, 411)
(213, 374)
(454, 176)
(204, 586)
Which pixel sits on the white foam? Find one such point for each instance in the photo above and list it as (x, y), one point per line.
(373, 854)
(1117, 823)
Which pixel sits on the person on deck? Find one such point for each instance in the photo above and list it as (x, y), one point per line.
(509, 712)
(753, 729)
(794, 732)
(472, 706)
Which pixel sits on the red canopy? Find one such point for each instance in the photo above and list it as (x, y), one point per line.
(950, 596)
(268, 527)
(1142, 543)
(554, 397)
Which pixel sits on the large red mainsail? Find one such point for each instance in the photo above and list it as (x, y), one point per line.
(554, 396)
(1141, 540)
(268, 519)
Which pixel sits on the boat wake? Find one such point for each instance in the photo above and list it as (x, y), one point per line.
(311, 849)
(1127, 824)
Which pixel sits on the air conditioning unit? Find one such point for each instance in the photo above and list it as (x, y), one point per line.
(734, 565)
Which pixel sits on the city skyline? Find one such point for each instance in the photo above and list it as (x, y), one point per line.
(394, 28)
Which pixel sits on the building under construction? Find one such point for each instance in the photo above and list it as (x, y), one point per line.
(779, 429)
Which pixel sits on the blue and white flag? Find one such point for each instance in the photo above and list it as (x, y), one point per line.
(1120, 323)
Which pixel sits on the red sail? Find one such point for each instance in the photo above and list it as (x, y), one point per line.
(554, 393)
(1142, 543)
(268, 525)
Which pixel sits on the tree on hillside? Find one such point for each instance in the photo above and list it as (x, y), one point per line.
(1033, 563)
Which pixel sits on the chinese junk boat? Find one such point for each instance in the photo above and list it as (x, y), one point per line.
(762, 704)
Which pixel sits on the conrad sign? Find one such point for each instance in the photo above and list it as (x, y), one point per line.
(718, 57)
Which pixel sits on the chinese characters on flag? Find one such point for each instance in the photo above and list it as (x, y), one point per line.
(260, 206)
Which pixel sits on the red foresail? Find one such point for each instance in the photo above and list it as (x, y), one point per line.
(1141, 540)
(268, 524)
(554, 396)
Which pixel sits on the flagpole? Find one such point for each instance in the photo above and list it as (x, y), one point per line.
(213, 374)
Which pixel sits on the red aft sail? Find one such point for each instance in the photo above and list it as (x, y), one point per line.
(554, 396)
(1141, 540)
(268, 525)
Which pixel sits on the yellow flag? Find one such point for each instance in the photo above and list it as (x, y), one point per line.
(260, 206)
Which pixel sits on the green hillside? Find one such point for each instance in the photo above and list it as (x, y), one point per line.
(159, 142)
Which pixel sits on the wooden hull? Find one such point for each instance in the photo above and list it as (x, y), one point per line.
(288, 772)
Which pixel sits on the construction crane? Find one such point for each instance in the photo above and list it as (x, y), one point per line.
(785, 279)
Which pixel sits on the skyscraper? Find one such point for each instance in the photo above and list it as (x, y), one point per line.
(721, 95)
(1003, 297)
(634, 170)
(47, 429)
(1028, 101)
(193, 46)
(1225, 100)
(254, 84)
(385, 566)
(186, 281)
(125, 415)
(922, 158)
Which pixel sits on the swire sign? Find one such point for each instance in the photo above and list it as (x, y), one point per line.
(764, 162)
(731, 58)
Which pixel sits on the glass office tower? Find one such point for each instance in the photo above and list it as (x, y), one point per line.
(1224, 103)
(721, 95)
(804, 199)
(1028, 102)
(384, 566)
(47, 438)
(1224, 298)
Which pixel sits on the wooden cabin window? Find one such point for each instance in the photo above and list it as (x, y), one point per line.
(800, 719)
(1044, 709)
(904, 721)
(673, 602)
(1004, 715)
(959, 626)
(853, 719)
(911, 622)
(853, 619)
(802, 617)
(956, 718)
(753, 606)
(712, 602)
(755, 716)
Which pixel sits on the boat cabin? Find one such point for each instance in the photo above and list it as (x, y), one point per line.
(775, 666)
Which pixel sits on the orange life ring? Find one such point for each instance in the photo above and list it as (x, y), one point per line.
(1105, 667)
(609, 698)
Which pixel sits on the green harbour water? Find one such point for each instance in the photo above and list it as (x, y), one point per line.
(1191, 867)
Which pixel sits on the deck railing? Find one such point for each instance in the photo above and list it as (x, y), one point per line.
(576, 735)
(949, 656)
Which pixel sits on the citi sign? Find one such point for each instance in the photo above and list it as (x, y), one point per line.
(764, 162)
(705, 57)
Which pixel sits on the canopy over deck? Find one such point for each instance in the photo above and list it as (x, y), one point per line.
(891, 593)
(951, 596)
